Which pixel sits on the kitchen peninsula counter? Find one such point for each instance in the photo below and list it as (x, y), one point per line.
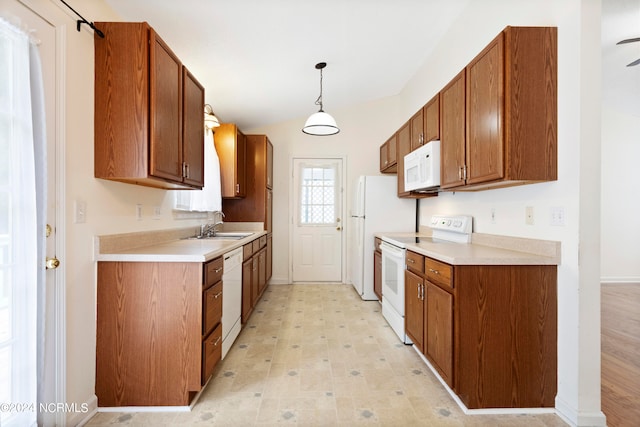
(484, 249)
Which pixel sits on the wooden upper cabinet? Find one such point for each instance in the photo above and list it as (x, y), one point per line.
(452, 132)
(140, 121)
(417, 129)
(432, 119)
(403, 148)
(388, 155)
(193, 129)
(512, 110)
(269, 164)
(230, 145)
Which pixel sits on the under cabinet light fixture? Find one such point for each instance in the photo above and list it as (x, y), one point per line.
(320, 123)
(210, 119)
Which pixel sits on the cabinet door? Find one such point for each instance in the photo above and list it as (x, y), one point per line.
(192, 130)
(439, 330)
(269, 164)
(417, 130)
(269, 256)
(414, 308)
(268, 222)
(404, 148)
(452, 132)
(165, 156)
(432, 119)
(485, 97)
(247, 307)
(388, 155)
(231, 149)
(377, 274)
(262, 270)
(255, 281)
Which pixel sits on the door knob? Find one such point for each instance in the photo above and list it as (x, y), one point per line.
(52, 263)
(338, 228)
(48, 230)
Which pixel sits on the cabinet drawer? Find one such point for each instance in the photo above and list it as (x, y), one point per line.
(212, 272)
(211, 307)
(263, 241)
(438, 272)
(247, 251)
(415, 262)
(211, 353)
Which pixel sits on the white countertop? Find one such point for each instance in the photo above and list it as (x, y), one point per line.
(180, 250)
(484, 250)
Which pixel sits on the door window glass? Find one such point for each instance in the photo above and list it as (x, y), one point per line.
(317, 195)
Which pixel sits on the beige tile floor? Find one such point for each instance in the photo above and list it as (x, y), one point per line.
(317, 355)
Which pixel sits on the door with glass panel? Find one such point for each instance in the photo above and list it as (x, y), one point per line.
(317, 242)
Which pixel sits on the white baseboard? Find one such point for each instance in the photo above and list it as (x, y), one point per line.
(279, 281)
(81, 418)
(578, 419)
(620, 280)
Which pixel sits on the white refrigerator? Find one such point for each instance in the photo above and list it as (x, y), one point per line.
(376, 208)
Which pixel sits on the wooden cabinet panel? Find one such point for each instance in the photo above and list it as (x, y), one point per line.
(452, 132)
(211, 353)
(388, 155)
(403, 148)
(417, 130)
(166, 111)
(148, 333)
(506, 322)
(432, 119)
(439, 272)
(438, 326)
(230, 145)
(140, 122)
(213, 272)
(255, 281)
(269, 164)
(262, 270)
(414, 308)
(377, 274)
(247, 306)
(192, 130)
(415, 262)
(269, 256)
(212, 307)
(485, 97)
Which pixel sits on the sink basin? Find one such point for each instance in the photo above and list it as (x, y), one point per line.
(230, 235)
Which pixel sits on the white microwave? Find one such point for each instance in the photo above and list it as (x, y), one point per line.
(422, 168)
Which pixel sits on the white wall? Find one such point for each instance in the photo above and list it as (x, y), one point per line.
(576, 190)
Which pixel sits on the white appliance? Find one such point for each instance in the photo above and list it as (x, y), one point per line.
(376, 208)
(422, 168)
(231, 298)
(445, 229)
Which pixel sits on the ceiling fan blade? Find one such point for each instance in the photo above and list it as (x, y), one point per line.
(634, 63)
(637, 39)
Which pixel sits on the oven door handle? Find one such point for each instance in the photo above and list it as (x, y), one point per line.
(392, 250)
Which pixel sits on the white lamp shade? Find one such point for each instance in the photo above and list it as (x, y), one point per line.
(320, 123)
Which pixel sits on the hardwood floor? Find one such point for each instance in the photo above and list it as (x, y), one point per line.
(621, 354)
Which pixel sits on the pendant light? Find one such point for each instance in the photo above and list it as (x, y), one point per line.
(210, 119)
(320, 123)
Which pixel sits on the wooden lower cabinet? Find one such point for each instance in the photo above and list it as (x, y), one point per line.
(489, 330)
(156, 339)
(254, 275)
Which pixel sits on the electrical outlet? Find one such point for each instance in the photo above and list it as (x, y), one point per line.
(157, 212)
(528, 215)
(557, 216)
(139, 212)
(493, 215)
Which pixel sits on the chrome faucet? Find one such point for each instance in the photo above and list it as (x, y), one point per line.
(209, 229)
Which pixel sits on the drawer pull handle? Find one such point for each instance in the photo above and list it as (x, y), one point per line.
(218, 270)
(411, 261)
(217, 295)
(215, 344)
(434, 271)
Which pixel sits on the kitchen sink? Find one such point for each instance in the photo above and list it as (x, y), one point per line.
(225, 235)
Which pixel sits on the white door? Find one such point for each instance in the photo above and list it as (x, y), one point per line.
(317, 220)
(50, 50)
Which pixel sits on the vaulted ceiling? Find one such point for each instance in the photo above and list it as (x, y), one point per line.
(256, 58)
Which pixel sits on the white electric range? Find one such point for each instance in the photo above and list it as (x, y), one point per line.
(445, 228)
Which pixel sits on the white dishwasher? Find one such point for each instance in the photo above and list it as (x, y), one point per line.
(231, 298)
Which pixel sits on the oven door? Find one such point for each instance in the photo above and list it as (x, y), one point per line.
(393, 265)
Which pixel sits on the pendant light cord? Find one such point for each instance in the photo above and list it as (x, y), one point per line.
(319, 100)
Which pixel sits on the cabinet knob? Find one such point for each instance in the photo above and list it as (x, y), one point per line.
(52, 263)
